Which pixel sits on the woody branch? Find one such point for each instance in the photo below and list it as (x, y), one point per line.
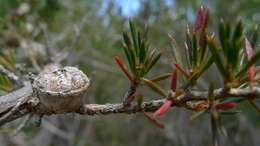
(188, 101)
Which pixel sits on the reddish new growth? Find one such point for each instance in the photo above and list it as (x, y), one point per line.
(201, 19)
(122, 66)
(249, 52)
(226, 105)
(168, 102)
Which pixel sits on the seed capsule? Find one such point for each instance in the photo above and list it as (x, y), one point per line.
(60, 89)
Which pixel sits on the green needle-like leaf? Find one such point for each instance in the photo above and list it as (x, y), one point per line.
(142, 54)
(194, 77)
(155, 87)
(161, 77)
(127, 40)
(194, 50)
(197, 115)
(153, 60)
(203, 45)
(222, 35)
(238, 31)
(206, 65)
(189, 45)
(216, 57)
(134, 37)
(133, 61)
(254, 37)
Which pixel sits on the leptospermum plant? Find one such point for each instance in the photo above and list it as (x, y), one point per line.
(233, 54)
(140, 61)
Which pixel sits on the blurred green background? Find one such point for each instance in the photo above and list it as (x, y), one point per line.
(32, 21)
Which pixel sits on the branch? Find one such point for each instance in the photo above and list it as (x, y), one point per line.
(11, 99)
(180, 101)
(103, 109)
(186, 100)
(10, 75)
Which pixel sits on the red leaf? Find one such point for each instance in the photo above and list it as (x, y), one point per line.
(202, 40)
(121, 64)
(199, 19)
(202, 18)
(163, 109)
(226, 105)
(251, 73)
(186, 75)
(206, 19)
(174, 80)
(159, 125)
(249, 52)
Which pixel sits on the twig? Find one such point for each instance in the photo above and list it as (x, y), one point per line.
(13, 109)
(34, 63)
(9, 100)
(78, 29)
(10, 75)
(187, 101)
(47, 40)
(22, 125)
(55, 130)
(129, 95)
